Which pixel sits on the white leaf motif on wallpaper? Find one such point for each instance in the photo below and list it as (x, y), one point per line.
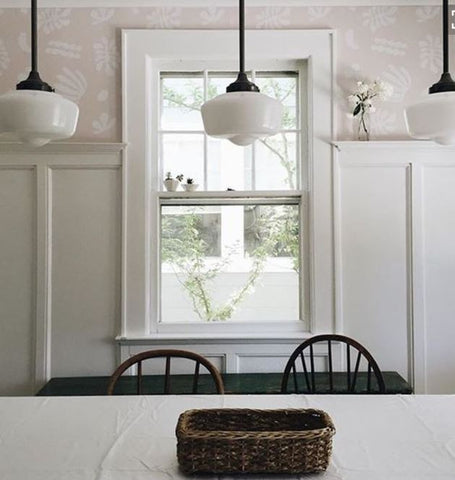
(424, 14)
(50, 19)
(102, 96)
(431, 53)
(353, 71)
(383, 122)
(68, 50)
(22, 41)
(103, 124)
(4, 57)
(101, 15)
(273, 17)
(377, 17)
(22, 75)
(71, 84)
(350, 40)
(211, 15)
(390, 47)
(315, 13)
(400, 79)
(164, 17)
(106, 56)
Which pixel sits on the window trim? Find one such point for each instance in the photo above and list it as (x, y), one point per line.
(142, 50)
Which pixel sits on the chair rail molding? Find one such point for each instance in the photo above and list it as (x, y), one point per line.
(87, 161)
(393, 210)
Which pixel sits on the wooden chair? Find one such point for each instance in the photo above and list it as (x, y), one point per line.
(374, 382)
(168, 354)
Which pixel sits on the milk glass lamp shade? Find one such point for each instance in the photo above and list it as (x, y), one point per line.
(242, 114)
(242, 117)
(34, 114)
(433, 118)
(36, 117)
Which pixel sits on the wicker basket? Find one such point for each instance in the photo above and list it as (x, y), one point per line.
(254, 441)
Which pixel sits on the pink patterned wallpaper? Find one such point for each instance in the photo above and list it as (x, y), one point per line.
(80, 54)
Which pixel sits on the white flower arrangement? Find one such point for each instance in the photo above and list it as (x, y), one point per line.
(361, 101)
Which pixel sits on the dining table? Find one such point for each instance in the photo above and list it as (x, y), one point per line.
(378, 437)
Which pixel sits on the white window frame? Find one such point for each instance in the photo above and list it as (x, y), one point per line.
(145, 53)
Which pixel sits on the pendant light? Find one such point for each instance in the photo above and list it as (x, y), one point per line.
(434, 118)
(33, 113)
(242, 114)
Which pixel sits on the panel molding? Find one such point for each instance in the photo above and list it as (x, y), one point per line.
(418, 157)
(416, 250)
(8, 167)
(51, 157)
(343, 163)
(62, 147)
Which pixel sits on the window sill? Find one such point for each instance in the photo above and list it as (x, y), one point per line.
(219, 338)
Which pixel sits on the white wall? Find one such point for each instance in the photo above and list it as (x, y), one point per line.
(60, 217)
(395, 207)
(60, 258)
(17, 260)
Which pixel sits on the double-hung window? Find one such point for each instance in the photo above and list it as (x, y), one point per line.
(232, 251)
(233, 255)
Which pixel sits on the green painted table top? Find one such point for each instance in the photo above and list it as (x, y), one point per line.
(234, 383)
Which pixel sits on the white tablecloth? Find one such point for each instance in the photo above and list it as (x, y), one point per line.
(133, 438)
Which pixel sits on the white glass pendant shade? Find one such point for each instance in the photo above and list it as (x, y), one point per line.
(433, 118)
(36, 117)
(242, 117)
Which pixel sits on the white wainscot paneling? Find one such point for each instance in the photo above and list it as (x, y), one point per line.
(17, 267)
(395, 261)
(60, 258)
(229, 355)
(86, 233)
(438, 227)
(373, 219)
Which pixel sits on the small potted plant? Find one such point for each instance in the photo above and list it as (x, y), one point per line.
(172, 184)
(190, 186)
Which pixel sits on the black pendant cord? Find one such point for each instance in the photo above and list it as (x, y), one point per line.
(34, 29)
(242, 84)
(445, 35)
(34, 82)
(241, 36)
(445, 83)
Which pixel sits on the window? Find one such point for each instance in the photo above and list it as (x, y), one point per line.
(271, 164)
(235, 256)
(230, 259)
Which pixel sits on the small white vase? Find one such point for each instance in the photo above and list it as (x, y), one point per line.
(171, 184)
(190, 187)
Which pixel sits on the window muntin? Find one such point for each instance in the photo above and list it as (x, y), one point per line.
(270, 164)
